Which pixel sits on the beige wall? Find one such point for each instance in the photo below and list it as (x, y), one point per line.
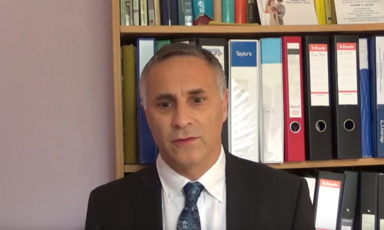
(56, 110)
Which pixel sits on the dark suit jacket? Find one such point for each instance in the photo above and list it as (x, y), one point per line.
(258, 198)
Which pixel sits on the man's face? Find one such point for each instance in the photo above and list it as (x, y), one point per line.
(185, 111)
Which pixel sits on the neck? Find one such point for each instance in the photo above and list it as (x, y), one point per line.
(194, 171)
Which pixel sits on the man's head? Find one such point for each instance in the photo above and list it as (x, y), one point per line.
(184, 94)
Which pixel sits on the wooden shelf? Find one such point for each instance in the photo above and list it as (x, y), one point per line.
(302, 165)
(244, 29)
(330, 163)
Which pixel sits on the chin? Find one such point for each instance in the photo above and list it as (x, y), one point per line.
(191, 156)
(187, 162)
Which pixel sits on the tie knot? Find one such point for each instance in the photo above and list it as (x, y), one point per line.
(192, 191)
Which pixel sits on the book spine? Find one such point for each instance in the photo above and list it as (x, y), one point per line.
(201, 7)
(228, 10)
(173, 12)
(251, 11)
(188, 13)
(151, 12)
(181, 12)
(241, 11)
(136, 13)
(122, 12)
(157, 12)
(143, 13)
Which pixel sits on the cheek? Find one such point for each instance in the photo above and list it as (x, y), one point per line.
(157, 122)
(213, 119)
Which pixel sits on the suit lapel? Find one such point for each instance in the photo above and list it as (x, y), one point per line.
(244, 204)
(147, 205)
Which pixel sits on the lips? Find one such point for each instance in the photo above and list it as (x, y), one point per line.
(185, 141)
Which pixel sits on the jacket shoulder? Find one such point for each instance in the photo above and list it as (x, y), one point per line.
(277, 194)
(268, 176)
(121, 187)
(111, 205)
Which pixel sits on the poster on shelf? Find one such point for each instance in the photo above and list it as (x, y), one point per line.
(287, 12)
(359, 12)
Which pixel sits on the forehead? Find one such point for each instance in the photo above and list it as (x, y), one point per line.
(181, 72)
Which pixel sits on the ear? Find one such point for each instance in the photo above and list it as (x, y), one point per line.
(225, 105)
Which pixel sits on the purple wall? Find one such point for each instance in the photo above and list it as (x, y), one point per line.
(56, 110)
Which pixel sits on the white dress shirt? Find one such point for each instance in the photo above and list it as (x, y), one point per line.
(211, 203)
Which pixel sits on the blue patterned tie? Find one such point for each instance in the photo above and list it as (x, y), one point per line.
(189, 218)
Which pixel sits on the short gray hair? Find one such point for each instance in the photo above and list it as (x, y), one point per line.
(182, 49)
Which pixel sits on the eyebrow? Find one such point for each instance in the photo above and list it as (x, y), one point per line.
(162, 96)
(169, 96)
(196, 91)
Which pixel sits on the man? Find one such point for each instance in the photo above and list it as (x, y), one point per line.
(196, 183)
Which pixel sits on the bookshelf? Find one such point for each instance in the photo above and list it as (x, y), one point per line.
(125, 33)
(244, 29)
(301, 165)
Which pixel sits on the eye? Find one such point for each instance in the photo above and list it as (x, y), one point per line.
(164, 105)
(198, 100)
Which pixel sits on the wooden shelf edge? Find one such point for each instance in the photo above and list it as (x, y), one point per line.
(243, 29)
(117, 90)
(330, 163)
(302, 165)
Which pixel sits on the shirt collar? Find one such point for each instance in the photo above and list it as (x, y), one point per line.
(173, 183)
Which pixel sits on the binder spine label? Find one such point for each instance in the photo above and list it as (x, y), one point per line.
(218, 52)
(347, 73)
(346, 224)
(244, 54)
(294, 80)
(379, 107)
(380, 70)
(363, 48)
(318, 59)
(327, 204)
(368, 221)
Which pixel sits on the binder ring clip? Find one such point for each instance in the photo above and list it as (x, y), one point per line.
(349, 125)
(295, 127)
(321, 126)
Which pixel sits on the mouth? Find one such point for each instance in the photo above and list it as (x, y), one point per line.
(185, 141)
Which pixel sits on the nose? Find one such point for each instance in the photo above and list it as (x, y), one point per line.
(182, 116)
